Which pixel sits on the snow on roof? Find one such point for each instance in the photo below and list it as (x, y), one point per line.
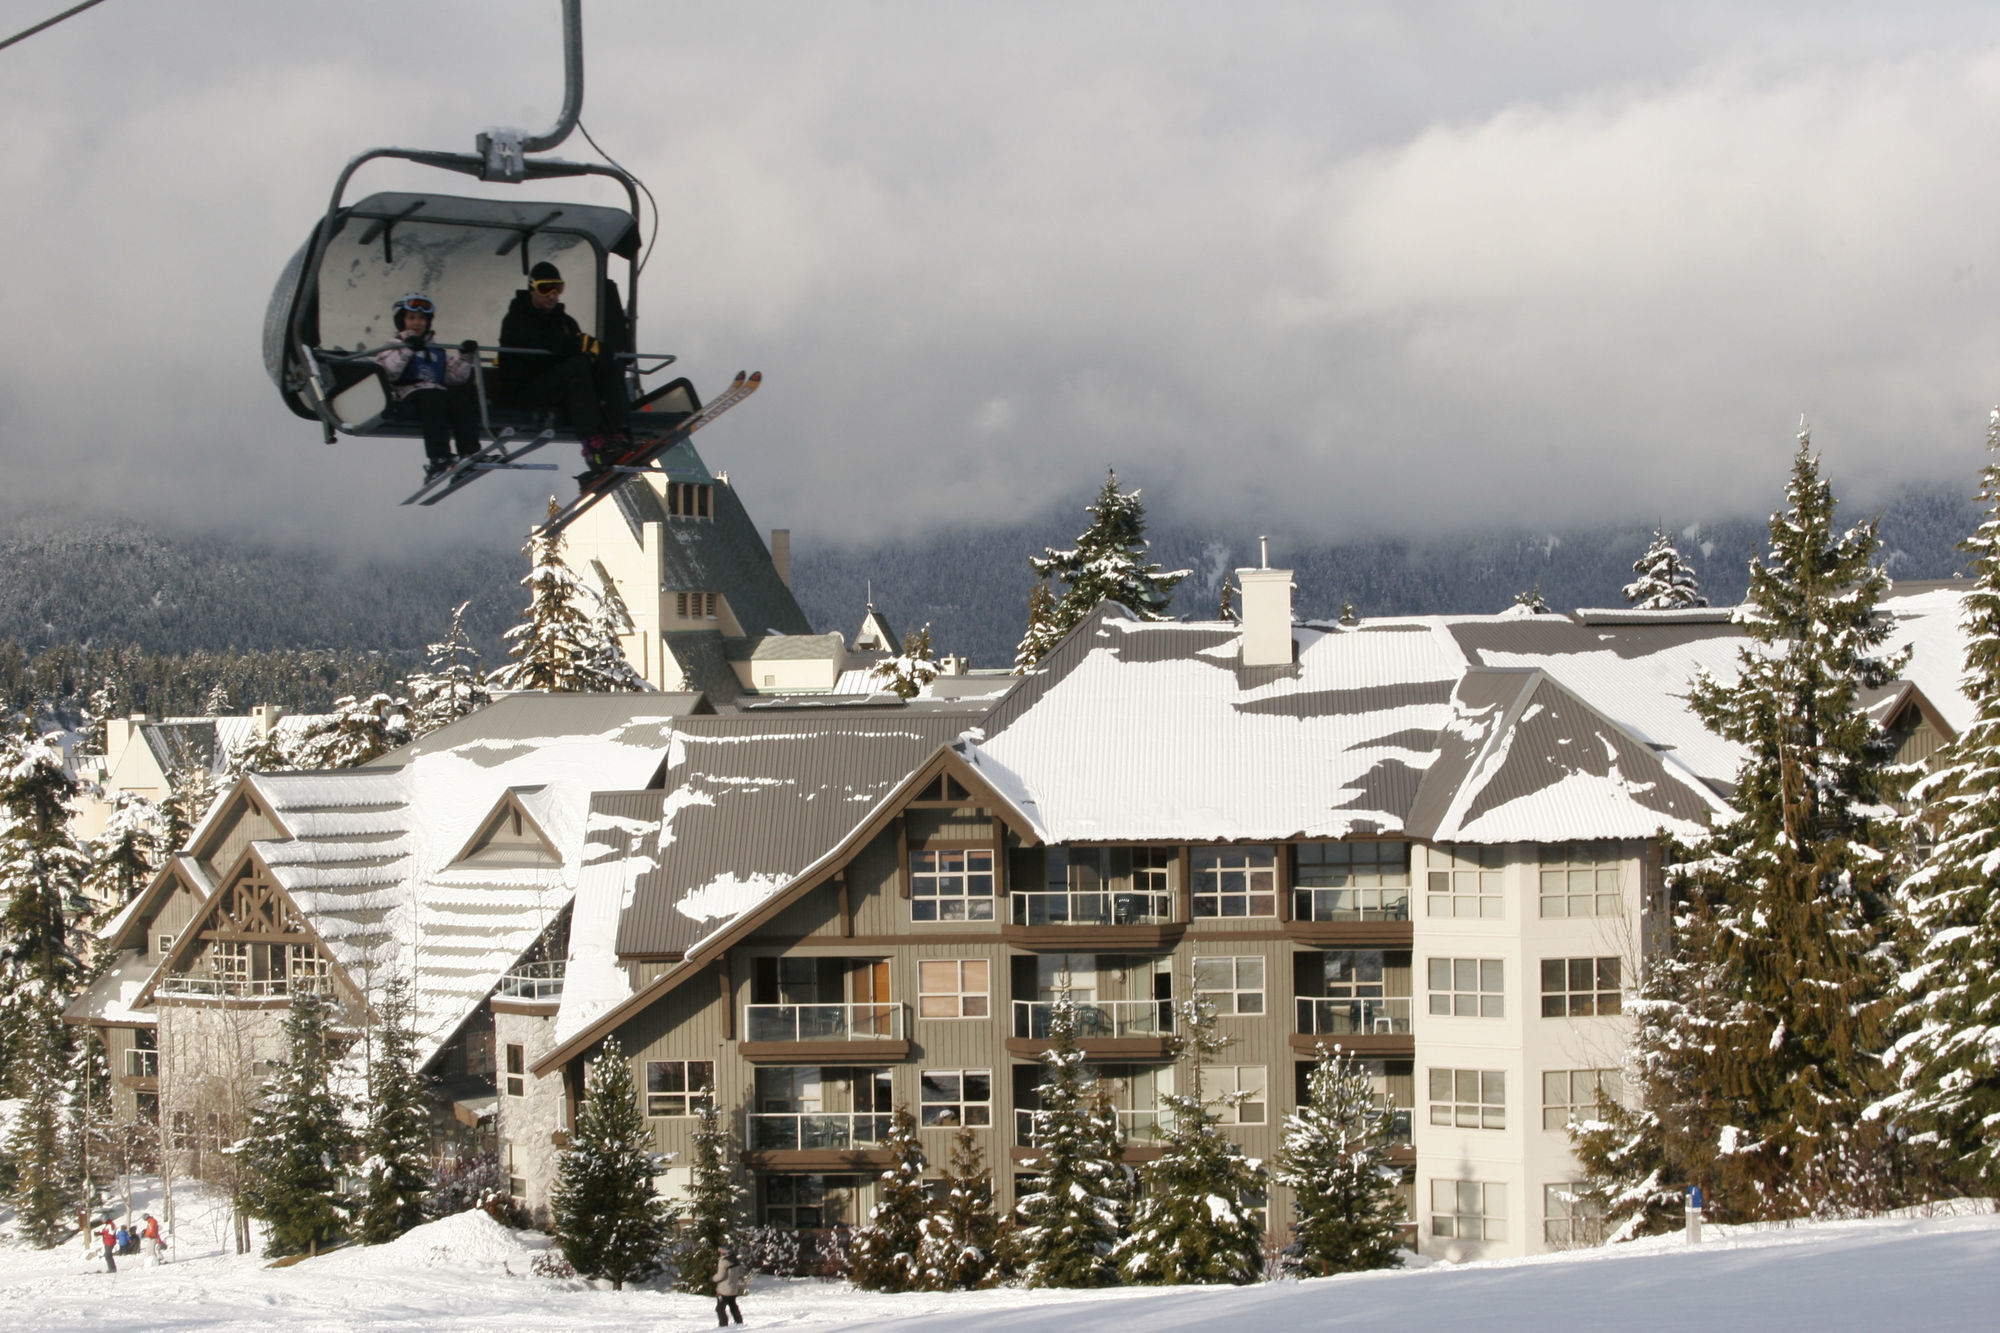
(109, 998)
(1929, 624)
(620, 845)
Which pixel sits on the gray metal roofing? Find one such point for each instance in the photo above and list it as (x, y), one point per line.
(1479, 702)
(756, 798)
(181, 745)
(784, 648)
(704, 663)
(1547, 635)
(531, 716)
(722, 554)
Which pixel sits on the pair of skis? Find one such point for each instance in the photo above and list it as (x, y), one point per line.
(593, 487)
(495, 457)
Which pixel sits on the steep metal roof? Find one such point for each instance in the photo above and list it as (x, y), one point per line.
(784, 648)
(722, 554)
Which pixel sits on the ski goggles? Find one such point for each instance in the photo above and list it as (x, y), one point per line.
(546, 285)
(417, 305)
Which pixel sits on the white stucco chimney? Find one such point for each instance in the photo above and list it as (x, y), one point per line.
(781, 554)
(1267, 612)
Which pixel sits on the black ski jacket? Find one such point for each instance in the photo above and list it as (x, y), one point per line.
(538, 330)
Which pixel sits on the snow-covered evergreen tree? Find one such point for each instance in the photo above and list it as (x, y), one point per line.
(1663, 580)
(1069, 1220)
(715, 1201)
(885, 1250)
(1225, 608)
(356, 731)
(906, 674)
(396, 1157)
(217, 703)
(42, 1194)
(566, 640)
(1761, 1043)
(1195, 1221)
(263, 752)
(90, 1132)
(125, 856)
(1108, 562)
(1347, 1197)
(298, 1143)
(1041, 634)
(42, 873)
(1627, 1179)
(964, 1246)
(1947, 1063)
(1531, 602)
(191, 790)
(453, 686)
(608, 1220)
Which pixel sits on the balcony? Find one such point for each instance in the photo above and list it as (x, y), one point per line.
(239, 988)
(815, 1131)
(531, 987)
(1143, 1129)
(1132, 919)
(1367, 1023)
(1106, 1029)
(786, 1032)
(1373, 914)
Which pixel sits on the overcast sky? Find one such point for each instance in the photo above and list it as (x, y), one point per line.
(1325, 269)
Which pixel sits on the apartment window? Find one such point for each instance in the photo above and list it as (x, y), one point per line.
(1469, 1098)
(517, 1185)
(1465, 882)
(166, 943)
(1237, 1092)
(517, 1070)
(1151, 868)
(1468, 987)
(951, 885)
(143, 1059)
(679, 1087)
(1569, 1219)
(232, 960)
(1581, 879)
(1235, 881)
(957, 1097)
(1579, 987)
(304, 963)
(807, 1201)
(1232, 985)
(954, 988)
(1571, 1094)
(1468, 1210)
(1353, 881)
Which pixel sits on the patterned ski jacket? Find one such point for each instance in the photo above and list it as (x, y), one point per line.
(424, 365)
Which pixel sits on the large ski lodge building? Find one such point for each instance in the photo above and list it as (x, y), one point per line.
(1433, 841)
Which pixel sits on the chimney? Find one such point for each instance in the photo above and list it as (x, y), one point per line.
(1267, 612)
(781, 554)
(266, 716)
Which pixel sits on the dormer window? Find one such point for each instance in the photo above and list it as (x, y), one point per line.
(687, 499)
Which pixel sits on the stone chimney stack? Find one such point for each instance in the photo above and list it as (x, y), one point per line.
(1267, 612)
(781, 553)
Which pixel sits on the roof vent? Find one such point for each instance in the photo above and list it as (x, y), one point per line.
(1267, 612)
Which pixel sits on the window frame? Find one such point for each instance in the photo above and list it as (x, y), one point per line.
(1448, 863)
(1473, 1098)
(961, 996)
(1573, 1001)
(1365, 881)
(965, 1106)
(966, 898)
(1562, 863)
(1212, 882)
(1230, 1111)
(1572, 1109)
(515, 1068)
(689, 1093)
(1236, 990)
(1582, 1219)
(1475, 1001)
(1490, 1219)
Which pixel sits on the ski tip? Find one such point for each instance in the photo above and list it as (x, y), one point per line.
(738, 380)
(756, 377)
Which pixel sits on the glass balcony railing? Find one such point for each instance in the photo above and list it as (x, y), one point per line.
(1099, 1019)
(822, 1022)
(240, 988)
(802, 1130)
(533, 981)
(1138, 1126)
(1363, 1016)
(1380, 903)
(1059, 908)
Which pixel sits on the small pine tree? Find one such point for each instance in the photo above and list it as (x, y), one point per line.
(298, 1141)
(906, 674)
(714, 1203)
(1108, 563)
(1041, 634)
(885, 1250)
(1948, 1076)
(1664, 580)
(356, 731)
(1225, 609)
(1347, 1196)
(125, 856)
(217, 703)
(1532, 602)
(566, 640)
(1069, 1221)
(396, 1145)
(608, 1220)
(453, 686)
(42, 874)
(191, 790)
(1195, 1222)
(964, 1245)
(43, 1193)
(1627, 1179)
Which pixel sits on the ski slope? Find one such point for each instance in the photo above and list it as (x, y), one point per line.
(467, 1272)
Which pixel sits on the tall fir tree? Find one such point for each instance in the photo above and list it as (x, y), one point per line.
(1947, 1062)
(191, 789)
(1069, 1220)
(298, 1143)
(395, 1147)
(1663, 580)
(1346, 1195)
(565, 641)
(90, 1129)
(1195, 1221)
(1627, 1180)
(42, 874)
(715, 1201)
(43, 1193)
(356, 731)
(1108, 563)
(608, 1220)
(454, 684)
(1760, 1042)
(885, 1250)
(126, 855)
(964, 1247)
(906, 674)
(1041, 634)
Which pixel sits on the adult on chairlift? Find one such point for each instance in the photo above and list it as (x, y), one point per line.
(432, 383)
(578, 375)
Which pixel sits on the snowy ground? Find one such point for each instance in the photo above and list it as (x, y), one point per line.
(466, 1272)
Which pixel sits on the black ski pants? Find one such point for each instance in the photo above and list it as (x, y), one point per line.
(111, 1263)
(446, 414)
(589, 390)
(725, 1306)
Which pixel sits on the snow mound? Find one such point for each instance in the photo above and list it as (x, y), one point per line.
(466, 1242)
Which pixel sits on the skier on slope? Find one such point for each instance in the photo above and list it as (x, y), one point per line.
(574, 374)
(431, 383)
(156, 1244)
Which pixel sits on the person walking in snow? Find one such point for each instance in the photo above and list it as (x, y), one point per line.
(574, 374)
(156, 1244)
(732, 1279)
(110, 1238)
(125, 1245)
(431, 383)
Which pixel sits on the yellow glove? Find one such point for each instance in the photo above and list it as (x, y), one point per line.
(591, 347)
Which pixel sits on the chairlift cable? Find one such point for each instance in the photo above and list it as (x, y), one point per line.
(26, 33)
(651, 202)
